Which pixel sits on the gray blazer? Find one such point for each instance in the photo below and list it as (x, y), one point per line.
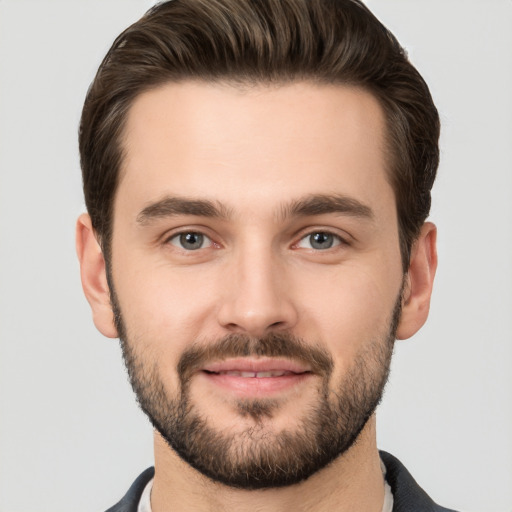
(408, 496)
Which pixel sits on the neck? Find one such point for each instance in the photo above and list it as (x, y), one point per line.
(353, 482)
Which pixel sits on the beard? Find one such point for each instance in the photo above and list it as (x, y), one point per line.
(258, 457)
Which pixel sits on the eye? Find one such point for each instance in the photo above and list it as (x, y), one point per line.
(190, 241)
(320, 241)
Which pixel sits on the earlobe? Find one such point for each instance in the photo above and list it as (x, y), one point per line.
(94, 277)
(419, 282)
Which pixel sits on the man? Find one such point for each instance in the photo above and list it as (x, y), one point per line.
(257, 176)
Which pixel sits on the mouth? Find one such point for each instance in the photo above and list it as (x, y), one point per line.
(255, 377)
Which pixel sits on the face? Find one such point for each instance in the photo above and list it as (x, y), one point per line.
(256, 273)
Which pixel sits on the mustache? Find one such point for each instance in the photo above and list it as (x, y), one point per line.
(282, 345)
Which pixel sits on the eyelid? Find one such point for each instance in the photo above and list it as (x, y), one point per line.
(182, 230)
(343, 240)
(177, 236)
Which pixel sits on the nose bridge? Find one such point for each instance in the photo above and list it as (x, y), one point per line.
(257, 297)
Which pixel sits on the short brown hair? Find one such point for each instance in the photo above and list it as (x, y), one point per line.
(262, 41)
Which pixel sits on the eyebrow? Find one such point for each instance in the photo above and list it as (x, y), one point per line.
(314, 204)
(321, 204)
(174, 206)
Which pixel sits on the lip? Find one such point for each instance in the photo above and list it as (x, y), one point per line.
(264, 364)
(234, 376)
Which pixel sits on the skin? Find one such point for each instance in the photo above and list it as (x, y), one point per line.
(254, 151)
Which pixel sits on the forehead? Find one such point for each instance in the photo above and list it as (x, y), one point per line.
(261, 145)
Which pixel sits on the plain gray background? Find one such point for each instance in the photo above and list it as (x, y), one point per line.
(71, 436)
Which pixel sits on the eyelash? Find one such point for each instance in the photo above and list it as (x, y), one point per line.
(337, 240)
(178, 237)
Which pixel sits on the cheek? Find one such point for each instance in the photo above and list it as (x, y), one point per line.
(164, 310)
(159, 303)
(348, 309)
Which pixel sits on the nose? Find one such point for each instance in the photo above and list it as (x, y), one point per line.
(257, 296)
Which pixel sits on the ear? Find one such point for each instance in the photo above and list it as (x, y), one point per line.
(94, 276)
(419, 282)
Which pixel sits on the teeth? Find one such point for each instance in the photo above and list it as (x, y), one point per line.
(270, 374)
(258, 375)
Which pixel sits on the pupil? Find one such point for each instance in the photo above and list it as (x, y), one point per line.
(321, 241)
(191, 240)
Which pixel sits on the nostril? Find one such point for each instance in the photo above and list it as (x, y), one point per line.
(256, 317)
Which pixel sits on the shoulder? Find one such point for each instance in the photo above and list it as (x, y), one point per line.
(407, 494)
(130, 500)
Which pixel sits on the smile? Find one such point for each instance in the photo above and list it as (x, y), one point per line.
(257, 375)
(247, 377)
(259, 367)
